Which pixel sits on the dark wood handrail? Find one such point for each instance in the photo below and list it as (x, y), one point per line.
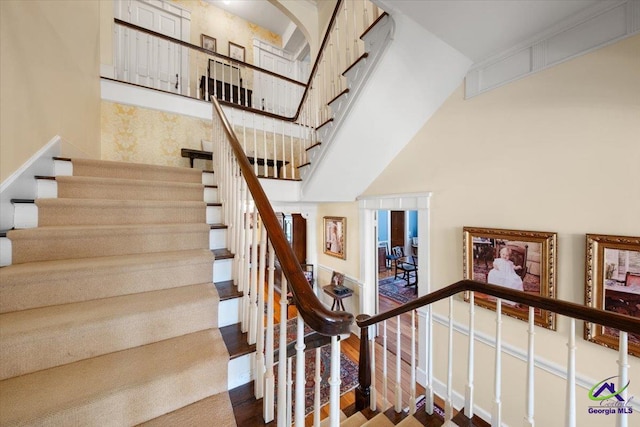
(203, 50)
(315, 314)
(577, 311)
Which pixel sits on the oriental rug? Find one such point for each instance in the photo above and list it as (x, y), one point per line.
(395, 289)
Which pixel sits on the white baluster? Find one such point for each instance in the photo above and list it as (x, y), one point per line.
(530, 393)
(246, 221)
(253, 275)
(300, 373)
(496, 414)
(570, 416)
(289, 391)
(275, 150)
(448, 404)
(334, 383)
(385, 401)
(255, 144)
(623, 374)
(398, 389)
(428, 340)
(260, 265)
(316, 394)
(372, 393)
(282, 349)
(283, 156)
(468, 395)
(268, 402)
(412, 396)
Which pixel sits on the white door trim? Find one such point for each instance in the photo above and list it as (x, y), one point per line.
(369, 206)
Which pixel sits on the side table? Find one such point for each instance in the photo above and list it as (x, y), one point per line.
(337, 298)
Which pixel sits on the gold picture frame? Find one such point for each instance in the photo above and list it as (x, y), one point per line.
(520, 260)
(612, 283)
(335, 236)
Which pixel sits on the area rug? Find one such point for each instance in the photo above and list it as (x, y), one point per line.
(395, 289)
(348, 370)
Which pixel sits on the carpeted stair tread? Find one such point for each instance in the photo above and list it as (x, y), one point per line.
(81, 187)
(379, 420)
(31, 340)
(123, 388)
(53, 212)
(114, 169)
(45, 283)
(66, 242)
(354, 420)
(212, 410)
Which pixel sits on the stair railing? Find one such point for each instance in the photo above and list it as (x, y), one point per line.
(276, 116)
(251, 219)
(370, 392)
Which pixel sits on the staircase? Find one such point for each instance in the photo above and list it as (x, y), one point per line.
(108, 313)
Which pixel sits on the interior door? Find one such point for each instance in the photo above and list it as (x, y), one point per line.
(272, 91)
(146, 60)
(397, 228)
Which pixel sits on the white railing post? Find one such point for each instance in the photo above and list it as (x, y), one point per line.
(334, 383)
(300, 372)
(316, 395)
(269, 401)
(398, 389)
(530, 392)
(570, 416)
(253, 276)
(468, 395)
(283, 403)
(496, 414)
(412, 386)
(623, 374)
(260, 265)
(448, 404)
(385, 400)
(428, 342)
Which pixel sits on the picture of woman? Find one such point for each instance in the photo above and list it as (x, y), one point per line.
(334, 236)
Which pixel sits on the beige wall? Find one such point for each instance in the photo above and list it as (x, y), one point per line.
(557, 151)
(48, 78)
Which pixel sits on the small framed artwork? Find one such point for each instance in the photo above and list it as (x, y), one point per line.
(334, 236)
(208, 43)
(236, 51)
(337, 279)
(612, 283)
(520, 260)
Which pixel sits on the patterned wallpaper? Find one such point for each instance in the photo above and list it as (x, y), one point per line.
(140, 135)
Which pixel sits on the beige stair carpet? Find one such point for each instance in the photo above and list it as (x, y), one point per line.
(52, 212)
(379, 420)
(46, 283)
(108, 315)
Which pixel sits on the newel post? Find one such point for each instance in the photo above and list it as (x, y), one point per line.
(363, 391)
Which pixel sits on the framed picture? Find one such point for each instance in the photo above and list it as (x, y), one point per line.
(236, 51)
(520, 260)
(208, 43)
(334, 236)
(612, 284)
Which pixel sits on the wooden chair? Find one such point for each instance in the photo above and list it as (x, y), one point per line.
(397, 252)
(409, 267)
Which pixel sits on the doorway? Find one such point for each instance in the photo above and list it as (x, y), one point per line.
(370, 207)
(398, 276)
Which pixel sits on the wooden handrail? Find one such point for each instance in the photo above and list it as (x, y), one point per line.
(315, 314)
(577, 311)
